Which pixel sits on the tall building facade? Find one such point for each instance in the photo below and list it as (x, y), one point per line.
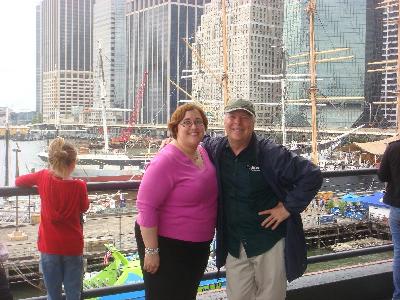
(373, 54)
(155, 31)
(38, 61)
(109, 34)
(254, 38)
(65, 58)
(109, 38)
(381, 57)
(340, 35)
(388, 62)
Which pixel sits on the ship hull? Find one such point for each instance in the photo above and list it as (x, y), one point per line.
(107, 167)
(96, 173)
(101, 178)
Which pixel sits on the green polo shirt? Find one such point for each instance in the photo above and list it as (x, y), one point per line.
(245, 193)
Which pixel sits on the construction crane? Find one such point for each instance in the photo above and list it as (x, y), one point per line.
(126, 132)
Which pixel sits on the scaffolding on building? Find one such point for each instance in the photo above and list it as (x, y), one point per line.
(388, 104)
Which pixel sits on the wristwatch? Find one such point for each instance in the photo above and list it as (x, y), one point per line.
(151, 251)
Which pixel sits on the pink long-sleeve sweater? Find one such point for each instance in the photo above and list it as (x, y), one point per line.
(178, 197)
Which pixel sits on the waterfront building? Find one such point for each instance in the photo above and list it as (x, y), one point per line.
(338, 24)
(22, 117)
(65, 66)
(15, 118)
(3, 116)
(383, 62)
(155, 31)
(373, 53)
(109, 34)
(254, 34)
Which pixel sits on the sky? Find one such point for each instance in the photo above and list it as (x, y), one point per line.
(17, 54)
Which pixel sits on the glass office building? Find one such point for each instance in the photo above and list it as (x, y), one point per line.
(340, 36)
(155, 31)
(38, 62)
(64, 61)
(109, 33)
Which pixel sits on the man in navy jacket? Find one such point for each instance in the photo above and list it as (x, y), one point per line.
(389, 171)
(263, 188)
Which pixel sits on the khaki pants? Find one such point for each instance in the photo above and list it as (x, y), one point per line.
(262, 277)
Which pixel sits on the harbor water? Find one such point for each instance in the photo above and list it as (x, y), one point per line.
(27, 159)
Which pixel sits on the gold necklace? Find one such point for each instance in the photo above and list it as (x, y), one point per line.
(196, 156)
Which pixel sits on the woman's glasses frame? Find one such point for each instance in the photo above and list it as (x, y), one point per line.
(190, 123)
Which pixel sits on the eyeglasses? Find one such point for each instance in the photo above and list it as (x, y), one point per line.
(189, 123)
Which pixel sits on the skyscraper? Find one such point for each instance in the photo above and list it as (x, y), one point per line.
(155, 32)
(38, 61)
(373, 114)
(65, 58)
(388, 14)
(254, 34)
(109, 34)
(338, 25)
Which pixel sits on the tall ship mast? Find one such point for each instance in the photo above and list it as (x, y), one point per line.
(105, 165)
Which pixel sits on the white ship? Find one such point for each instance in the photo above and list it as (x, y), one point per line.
(99, 167)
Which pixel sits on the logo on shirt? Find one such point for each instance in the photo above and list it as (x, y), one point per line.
(253, 168)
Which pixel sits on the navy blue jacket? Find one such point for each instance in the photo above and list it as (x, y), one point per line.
(294, 180)
(389, 171)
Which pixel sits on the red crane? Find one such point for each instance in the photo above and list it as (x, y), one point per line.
(126, 132)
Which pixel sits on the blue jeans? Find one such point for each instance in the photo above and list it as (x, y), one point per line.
(394, 222)
(58, 270)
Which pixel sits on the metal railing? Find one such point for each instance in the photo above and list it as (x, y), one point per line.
(133, 185)
(12, 191)
(113, 290)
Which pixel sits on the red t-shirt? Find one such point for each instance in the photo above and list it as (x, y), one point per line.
(62, 202)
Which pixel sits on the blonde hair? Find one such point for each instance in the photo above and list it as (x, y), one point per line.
(61, 156)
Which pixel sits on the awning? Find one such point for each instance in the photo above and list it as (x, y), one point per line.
(377, 147)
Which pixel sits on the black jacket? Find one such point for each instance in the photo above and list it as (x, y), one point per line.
(389, 171)
(294, 180)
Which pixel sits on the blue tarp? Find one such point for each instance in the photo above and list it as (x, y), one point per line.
(374, 199)
(350, 197)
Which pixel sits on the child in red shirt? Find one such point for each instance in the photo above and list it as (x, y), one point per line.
(60, 237)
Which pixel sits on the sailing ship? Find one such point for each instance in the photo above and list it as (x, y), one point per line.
(105, 165)
(101, 167)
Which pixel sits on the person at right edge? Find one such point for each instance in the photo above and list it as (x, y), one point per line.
(263, 188)
(389, 171)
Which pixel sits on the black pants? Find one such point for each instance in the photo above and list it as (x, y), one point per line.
(182, 265)
(5, 293)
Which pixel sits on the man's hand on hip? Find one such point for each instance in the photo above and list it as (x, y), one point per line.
(276, 216)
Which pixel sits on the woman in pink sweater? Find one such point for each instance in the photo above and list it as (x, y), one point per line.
(177, 209)
(60, 239)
